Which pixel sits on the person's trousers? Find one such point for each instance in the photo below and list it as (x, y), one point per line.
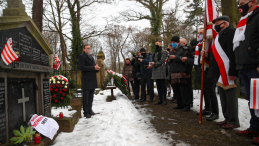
(229, 104)
(210, 98)
(161, 89)
(136, 87)
(88, 96)
(146, 79)
(132, 85)
(190, 89)
(181, 95)
(246, 76)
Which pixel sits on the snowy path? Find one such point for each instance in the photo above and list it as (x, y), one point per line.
(118, 124)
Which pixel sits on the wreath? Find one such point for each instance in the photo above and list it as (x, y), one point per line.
(120, 81)
(59, 91)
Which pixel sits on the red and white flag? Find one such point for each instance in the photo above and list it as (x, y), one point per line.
(8, 55)
(197, 53)
(254, 93)
(56, 64)
(223, 64)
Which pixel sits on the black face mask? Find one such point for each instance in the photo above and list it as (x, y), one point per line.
(143, 54)
(218, 28)
(157, 48)
(244, 9)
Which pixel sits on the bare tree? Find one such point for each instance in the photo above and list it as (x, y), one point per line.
(140, 38)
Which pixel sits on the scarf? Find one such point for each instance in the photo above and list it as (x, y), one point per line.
(241, 29)
(223, 64)
(197, 53)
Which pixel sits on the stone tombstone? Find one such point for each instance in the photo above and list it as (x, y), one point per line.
(24, 85)
(101, 74)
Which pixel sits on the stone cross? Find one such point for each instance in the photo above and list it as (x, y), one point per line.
(23, 100)
(16, 4)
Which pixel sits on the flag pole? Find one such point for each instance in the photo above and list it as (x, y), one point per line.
(203, 58)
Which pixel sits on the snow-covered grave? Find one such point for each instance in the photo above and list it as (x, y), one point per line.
(118, 124)
(67, 112)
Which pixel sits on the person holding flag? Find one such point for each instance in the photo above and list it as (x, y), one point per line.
(222, 67)
(246, 44)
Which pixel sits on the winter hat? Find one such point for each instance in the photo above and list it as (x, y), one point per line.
(194, 42)
(175, 39)
(142, 50)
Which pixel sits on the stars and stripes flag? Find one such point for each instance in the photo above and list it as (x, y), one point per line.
(56, 64)
(8, 55)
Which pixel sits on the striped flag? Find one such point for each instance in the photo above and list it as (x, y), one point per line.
(56, 64)
(254, 94)
(8, 55)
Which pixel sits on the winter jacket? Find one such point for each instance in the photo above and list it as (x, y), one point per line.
(127, 72)
(177, 65)
(144, 65)
(159, 69)
(136, 69)
(247, 53)
(226, 42)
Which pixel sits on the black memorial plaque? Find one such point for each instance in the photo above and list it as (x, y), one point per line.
(26, 44)
(15, 109)
(46, 95)
(2, 112)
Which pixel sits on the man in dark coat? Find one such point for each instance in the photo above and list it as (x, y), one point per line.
(227, 90)
(89, 83)
(136, 75)
(178, 66)
(247, 56)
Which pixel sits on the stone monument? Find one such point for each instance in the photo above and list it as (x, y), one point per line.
(24, 85)
(100, 75)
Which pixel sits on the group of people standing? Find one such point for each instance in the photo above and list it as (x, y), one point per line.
(234, 52)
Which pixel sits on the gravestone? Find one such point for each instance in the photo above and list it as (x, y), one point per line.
(24, 85)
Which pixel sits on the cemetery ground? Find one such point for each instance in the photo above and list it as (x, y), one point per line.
(127, 122)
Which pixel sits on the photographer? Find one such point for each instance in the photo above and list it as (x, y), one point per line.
(136, 74)
(146, 75)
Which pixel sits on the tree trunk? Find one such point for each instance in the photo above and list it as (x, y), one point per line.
(229, 8)
(37, 13)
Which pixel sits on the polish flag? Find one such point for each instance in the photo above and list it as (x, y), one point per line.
(56, 64)
(8, 55)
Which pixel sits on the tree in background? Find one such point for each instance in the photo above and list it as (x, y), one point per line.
(155, 17)
(37, 13)
(140, 38)
(229, 8)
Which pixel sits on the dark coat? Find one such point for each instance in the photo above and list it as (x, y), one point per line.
(136, 69)
(177, 65)
(144, 65)
(247, 54)
(127, 72)
(159, 69)
(87, 66)
(226, 42)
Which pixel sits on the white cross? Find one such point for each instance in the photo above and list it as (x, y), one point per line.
(23, 100)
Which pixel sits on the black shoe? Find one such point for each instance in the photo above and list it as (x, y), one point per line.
(164, 103)
(178, 107)
(87, 115)
(92, 113)
(151, 100)
(212, 117)
(135, 98)
(143, 100)
(191, 105)
(205, 113)
(186, 109)
(159, 102)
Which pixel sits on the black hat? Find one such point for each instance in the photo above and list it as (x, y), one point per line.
(224, 17)
(175, 39)
(142, 50)
(194, 42)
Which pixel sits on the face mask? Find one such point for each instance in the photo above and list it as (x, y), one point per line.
(127, 62)
(244, 9)
(199, 37)
(143, 54)
(174, 45)
(218, 28)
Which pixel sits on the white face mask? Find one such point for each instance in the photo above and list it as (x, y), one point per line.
(199, 37)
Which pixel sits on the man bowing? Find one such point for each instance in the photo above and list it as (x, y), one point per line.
(89, 83)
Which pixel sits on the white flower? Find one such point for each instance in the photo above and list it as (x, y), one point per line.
(63, 82)
(54, 82)
(65, 87)
(58, 82)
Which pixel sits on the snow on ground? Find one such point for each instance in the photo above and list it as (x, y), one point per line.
(118, 124)
(66, 113)
(244, 113)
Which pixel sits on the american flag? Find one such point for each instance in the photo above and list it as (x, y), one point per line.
(56, 64)
(8, 55)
